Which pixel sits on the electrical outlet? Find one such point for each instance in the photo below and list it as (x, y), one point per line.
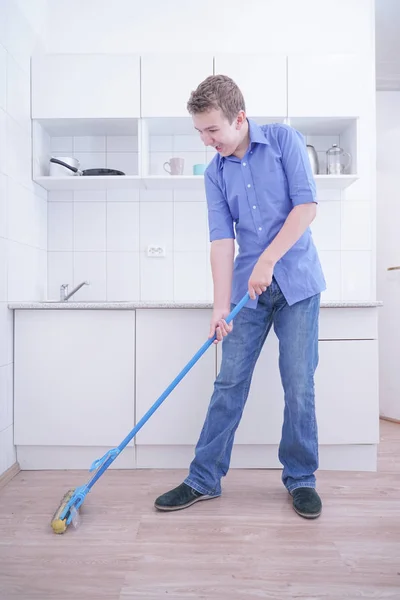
(155, 251)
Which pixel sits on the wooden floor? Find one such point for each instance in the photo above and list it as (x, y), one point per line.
(247, 544)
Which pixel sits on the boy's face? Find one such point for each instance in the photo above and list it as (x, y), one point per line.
(216, 131)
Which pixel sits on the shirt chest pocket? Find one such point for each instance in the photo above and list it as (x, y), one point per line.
(271, 181)
(274, 169)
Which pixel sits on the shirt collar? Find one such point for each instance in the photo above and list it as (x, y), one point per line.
(256, 135)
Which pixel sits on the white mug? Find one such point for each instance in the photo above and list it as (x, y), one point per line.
(176, 166)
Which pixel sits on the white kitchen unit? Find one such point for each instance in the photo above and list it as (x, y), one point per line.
(326, 85)
(85, 373)
(346, 400)
(166, 340)
(148, 100)
(265, 95)
(109, 143)
(85, 86)
(74, 378)
(86, 107)
(322, 133)
(167, 80)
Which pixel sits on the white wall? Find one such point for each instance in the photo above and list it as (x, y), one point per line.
(23, 206)
(288, 26)
(102, 236)
(388, 249)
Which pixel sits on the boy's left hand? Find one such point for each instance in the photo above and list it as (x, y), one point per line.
(261, 277)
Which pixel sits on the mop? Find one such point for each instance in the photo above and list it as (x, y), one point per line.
(68, 509)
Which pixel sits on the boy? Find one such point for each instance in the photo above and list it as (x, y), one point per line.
(261, 181)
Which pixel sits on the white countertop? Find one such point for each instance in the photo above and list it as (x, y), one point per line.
(73, 305)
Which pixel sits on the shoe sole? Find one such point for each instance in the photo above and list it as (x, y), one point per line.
(307, 515)
(173, 508)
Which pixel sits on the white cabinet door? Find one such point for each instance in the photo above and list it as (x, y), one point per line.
(325, 85)
(85, 86)
(168, 79)
(74, 377)
(166, 340)
(346, 388)
(262, 79)
(262, 417)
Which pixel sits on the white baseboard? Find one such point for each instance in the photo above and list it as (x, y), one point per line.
(345, 457)
(9, 474)
(349, 457)
(32, 458)
(390, 419)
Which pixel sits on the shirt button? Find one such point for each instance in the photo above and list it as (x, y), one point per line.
(260, 229)
(248, 185)
(254, 207)
(244, 164)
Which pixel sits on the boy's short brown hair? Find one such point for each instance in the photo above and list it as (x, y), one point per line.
(219, 92)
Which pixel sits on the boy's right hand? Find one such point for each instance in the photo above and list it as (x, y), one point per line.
(219, 326)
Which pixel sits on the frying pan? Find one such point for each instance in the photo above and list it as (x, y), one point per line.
(89, 172)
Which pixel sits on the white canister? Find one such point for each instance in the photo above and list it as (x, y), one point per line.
(60, 171)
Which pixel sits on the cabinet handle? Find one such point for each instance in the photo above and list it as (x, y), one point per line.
(394, 268)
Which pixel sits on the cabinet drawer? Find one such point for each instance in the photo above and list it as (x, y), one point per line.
(348, 323)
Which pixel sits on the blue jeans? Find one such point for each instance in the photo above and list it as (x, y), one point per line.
(296, 327)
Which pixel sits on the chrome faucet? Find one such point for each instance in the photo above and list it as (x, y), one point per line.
(64, 296)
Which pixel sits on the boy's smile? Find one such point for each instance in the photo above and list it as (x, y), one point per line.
(216, 131)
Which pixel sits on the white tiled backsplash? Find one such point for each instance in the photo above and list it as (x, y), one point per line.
(111, 152)
(103, 236)
(188, 147)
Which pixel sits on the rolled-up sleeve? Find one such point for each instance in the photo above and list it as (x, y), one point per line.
(220, 221)
(302, 188)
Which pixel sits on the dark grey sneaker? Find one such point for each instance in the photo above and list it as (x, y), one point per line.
(306, 502)
(180, 497)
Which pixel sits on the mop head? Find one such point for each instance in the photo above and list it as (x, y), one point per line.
(60, 525)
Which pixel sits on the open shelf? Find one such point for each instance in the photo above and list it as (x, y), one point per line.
(334, 182)
(86, 183)
(141, 147)
(189, 182)
(186, 182)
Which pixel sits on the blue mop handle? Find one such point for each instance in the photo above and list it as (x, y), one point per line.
(103, 463)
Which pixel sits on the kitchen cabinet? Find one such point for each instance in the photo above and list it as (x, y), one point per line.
(167, 80)
(73, 377)
(85, 86)
(261, 422)
(265, 95)
(346, 399)
(346, 388)
(325, 85)
(84, 378)
(166, 341)
(145, 97)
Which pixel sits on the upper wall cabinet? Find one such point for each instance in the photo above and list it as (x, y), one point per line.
(168, 79)
(326, 85)
(262, 80)
(85, 86)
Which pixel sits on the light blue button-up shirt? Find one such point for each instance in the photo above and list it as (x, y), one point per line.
(251, 198)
